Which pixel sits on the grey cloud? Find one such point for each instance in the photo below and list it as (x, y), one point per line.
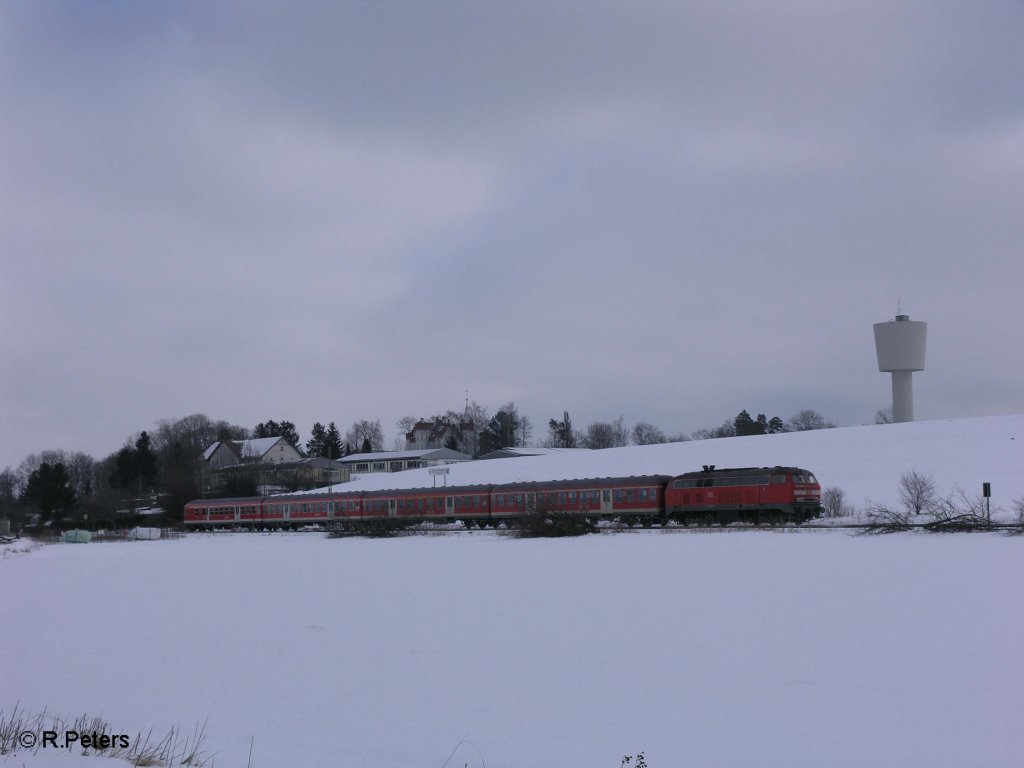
(353, 210)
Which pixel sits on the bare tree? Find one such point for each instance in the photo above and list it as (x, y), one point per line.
(917, 492)
(525, 431)
(405, 424)
(883, 416)
(647, 434)
(10, 485)
(725, 429)
(366, 431)
(807, 420)
(81, 468)
(833, 503)
(605, 434)
(466, 427)
(1018, 507)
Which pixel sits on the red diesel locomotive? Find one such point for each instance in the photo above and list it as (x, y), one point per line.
(755, 495)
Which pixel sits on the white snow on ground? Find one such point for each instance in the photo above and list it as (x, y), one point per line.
(866, 462)
(706, 649)
(16, 547)
(787, 648)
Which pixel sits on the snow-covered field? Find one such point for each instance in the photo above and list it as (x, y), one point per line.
(734, 648)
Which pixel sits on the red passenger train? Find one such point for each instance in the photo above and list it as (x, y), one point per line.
(755, 495)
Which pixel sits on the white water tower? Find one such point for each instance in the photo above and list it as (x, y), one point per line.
(900, 347)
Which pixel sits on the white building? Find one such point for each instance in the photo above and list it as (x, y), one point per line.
(261, 450)
(399, 461)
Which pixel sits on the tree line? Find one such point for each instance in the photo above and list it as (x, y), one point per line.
(162, 467)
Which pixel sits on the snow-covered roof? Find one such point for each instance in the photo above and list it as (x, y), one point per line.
(246, 449)
(520, 451)
(257, 446)
(422, 453)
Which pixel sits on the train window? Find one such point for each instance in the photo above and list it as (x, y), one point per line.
(501, 500)
(629, 494)
(476, 501)
(643, 494)
(618, 495)
(572, 497)
(778, 479)
(519, 500)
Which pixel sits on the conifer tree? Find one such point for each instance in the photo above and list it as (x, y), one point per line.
(332, 442)
(317, 443)
(49, 488)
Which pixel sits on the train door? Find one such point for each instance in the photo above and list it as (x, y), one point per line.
(449, 506)
(392, 508)
(606, 501)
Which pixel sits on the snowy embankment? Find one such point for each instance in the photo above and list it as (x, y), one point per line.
(865, 462)
(787, 648)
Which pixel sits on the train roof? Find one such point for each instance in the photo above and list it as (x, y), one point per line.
(712, 471)
(455, 490)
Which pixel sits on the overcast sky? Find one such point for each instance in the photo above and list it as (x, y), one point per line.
(341, 211)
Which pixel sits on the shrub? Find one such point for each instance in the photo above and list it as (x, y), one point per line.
(550, 524)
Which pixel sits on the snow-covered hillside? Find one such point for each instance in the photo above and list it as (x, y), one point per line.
(865, 462)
